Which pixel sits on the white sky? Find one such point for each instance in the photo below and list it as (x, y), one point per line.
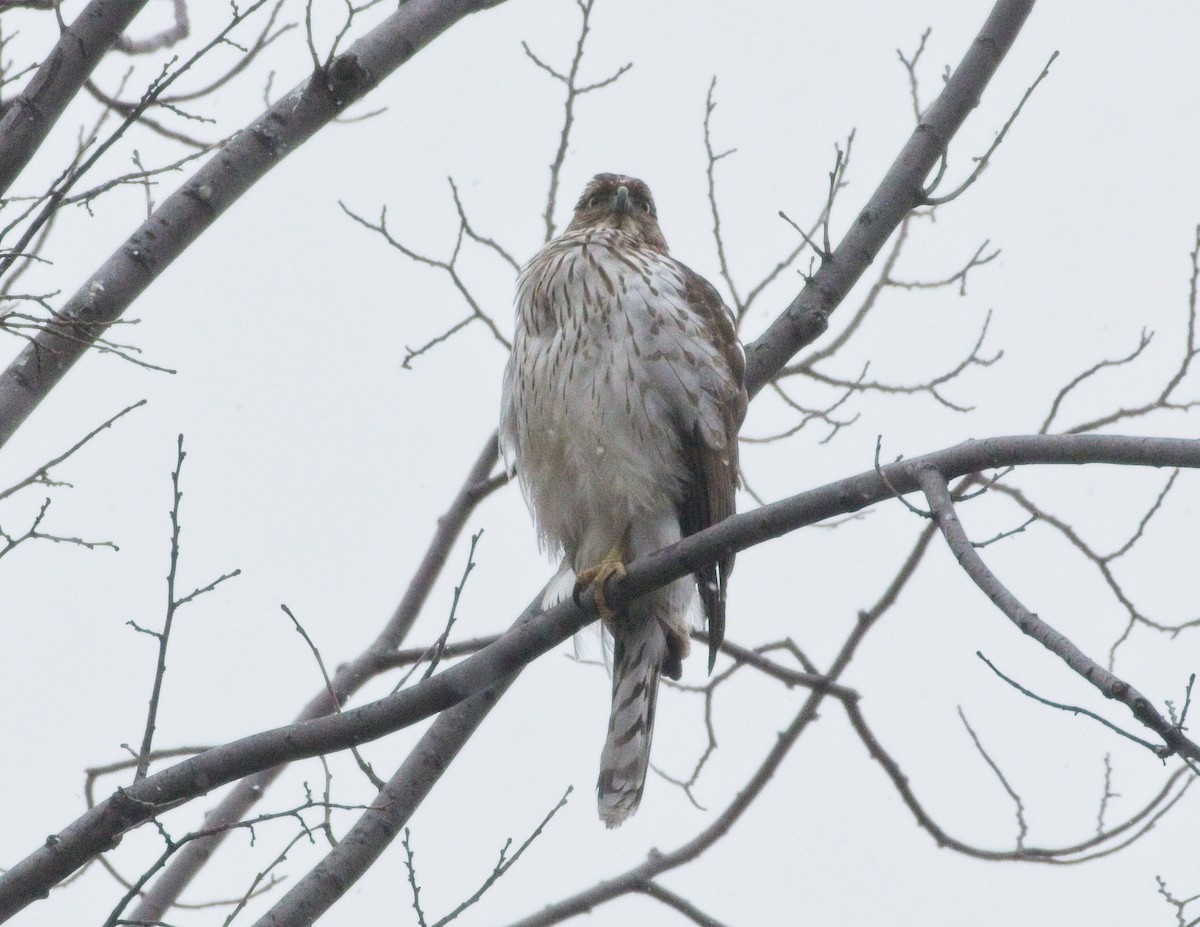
(318, 466)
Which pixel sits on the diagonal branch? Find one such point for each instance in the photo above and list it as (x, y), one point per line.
(30, 117)
(1131, 829)
(314, 894)
(348, 679)
(900, 191)
(184, 215)
(126, 809)
(636, 879)
(937, 492)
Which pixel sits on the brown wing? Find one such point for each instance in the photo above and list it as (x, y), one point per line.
(713, 471)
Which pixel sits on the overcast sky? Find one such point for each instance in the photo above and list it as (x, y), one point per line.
(318, 465)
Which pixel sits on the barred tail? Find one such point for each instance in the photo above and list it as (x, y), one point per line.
(639, 648)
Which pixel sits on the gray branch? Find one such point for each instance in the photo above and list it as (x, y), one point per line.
(348, 679)
(184, 215)
(355, 853)
(937, 492)
(29, 118)
(536, 634)
(901, 190)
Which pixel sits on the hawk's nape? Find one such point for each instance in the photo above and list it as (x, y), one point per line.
(620, 411)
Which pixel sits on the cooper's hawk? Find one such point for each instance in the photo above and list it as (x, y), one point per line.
(621, 406)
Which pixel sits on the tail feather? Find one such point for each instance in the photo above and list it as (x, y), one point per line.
(638, 653)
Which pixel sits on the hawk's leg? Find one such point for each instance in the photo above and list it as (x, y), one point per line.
(613, 564)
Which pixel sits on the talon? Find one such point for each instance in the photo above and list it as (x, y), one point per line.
(597, 576)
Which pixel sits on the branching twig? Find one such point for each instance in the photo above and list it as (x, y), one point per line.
(1164, 400)
(174, 603)
(440, 644)
(450, 267)
(982, 162)
(574, 91)
(1179, 904)
(739, 308)
(505, 863)
(348, 679)
(41, 476)
(411, 868)
(1090, 849)
(933, 484)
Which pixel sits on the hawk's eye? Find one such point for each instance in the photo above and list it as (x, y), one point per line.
(648, 206)
(594, 201)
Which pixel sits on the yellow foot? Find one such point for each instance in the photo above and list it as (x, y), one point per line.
(597, 576)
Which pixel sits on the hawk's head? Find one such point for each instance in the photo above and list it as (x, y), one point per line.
(618, 202)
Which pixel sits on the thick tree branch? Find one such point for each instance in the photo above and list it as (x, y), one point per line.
(94, 831)
(637, 878)
(30, 117)
(355, 853)
(348, 679)
(901, 190)
(184, 215)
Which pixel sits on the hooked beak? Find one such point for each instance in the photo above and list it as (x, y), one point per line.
(622, 203)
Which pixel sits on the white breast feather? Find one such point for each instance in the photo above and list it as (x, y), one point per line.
(594, 402)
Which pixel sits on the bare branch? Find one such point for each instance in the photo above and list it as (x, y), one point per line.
(1106, 796)
(808, 416)
(1022, 827)
(1103, 563)
(184, 215)
(898, 193)
(448, 651)
(475, 236)
(1179, 904)
(982, 162)
(682, 905)
(712, 158)
(41, 476)
(933, 484)
(574, 91)
(152, 94)
(28, 118)
(635, 879)
(174, 603)
(411, 868)
(978, 259)
(32, 533)
(374, 831)
(979, 545)
(868, 303)
(348, 679)
(910, 65)
(1143, 343)
(176, 32)
(535, 635)
(505, 863)
(931, 387)
(787, 260)
(450, 267)
(1164, 400)
(1074, 709)
(1087, 850)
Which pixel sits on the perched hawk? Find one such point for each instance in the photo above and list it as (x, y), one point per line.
(621, 406)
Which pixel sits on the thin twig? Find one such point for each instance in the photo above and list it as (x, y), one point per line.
(505, 863)
(982, 162)
(1074, 709)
